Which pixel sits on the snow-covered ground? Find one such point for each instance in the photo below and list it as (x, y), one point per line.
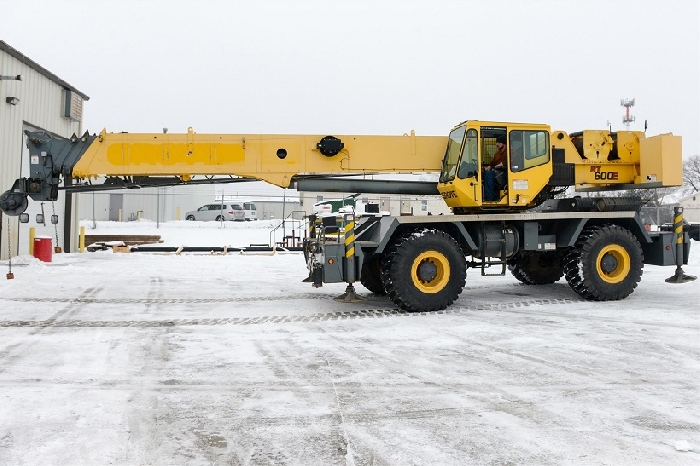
(139, 359)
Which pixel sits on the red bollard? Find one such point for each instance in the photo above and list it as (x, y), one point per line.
(42, 248)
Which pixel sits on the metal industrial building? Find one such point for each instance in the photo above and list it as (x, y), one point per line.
(33, 98)
(166, 204)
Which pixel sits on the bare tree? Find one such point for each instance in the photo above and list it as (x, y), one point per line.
(649, 196)
(691, 174)
(656, 196)
(653, 197)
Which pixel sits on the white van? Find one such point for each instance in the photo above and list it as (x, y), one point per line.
(218, 211)
(248, 207)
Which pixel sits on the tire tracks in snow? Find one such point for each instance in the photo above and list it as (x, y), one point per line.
(522, 307)
(321, 316)
(14, 352)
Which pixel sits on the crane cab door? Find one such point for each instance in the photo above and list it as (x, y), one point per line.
(494, 181)
(460, 177)
(471, 147)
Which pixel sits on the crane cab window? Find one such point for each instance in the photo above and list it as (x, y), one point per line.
(528, 149)
(454, 149)
(469, 165)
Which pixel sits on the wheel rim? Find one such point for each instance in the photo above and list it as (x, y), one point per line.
(613, 263)
(430, 272)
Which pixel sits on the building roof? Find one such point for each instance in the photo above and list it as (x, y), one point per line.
(38, 68)
(689, 197)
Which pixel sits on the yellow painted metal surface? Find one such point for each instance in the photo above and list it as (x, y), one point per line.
(522, 187)
(442, 272)
(349, 239)
(627, 157)
(678, 227)
(628, 144)
(459, 193)
(271, 158)
(621, 260)
(32, 234)
(600, 159)
(597, 145)
(661, 160)
(605, 173)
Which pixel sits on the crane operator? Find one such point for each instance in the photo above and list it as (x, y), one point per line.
(496, 168)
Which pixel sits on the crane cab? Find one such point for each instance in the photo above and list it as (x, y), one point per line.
(464, 181)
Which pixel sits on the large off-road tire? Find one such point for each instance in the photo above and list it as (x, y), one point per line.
(424, 270)
(371, 275)
(537, 268)
(605, 264)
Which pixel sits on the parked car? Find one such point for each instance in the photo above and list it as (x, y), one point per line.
(217, 212)
(248, 207)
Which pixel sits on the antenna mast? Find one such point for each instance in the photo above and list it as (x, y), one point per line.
(627, 119)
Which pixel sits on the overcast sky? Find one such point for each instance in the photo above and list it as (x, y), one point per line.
(368, 67)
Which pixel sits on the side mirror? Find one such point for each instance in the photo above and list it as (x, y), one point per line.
(40, 219)
(54, 219)
(24, 218)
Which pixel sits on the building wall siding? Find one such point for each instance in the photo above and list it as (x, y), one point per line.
(691, 208)
(40, 106)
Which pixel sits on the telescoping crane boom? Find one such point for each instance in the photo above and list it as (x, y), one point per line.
(512, 221)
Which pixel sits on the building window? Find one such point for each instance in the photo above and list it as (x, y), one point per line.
(424, 206)
(72, 105)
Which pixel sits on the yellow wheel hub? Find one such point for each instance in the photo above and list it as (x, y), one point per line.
(613, 263)
(430, 272)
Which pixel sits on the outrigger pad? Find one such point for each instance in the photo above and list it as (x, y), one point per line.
(680, 277)
(350, 296)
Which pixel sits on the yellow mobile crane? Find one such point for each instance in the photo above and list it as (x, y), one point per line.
(598, 244)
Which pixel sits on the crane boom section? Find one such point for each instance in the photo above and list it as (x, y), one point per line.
(271, 158)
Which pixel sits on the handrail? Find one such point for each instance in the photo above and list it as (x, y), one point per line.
(302, 225)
